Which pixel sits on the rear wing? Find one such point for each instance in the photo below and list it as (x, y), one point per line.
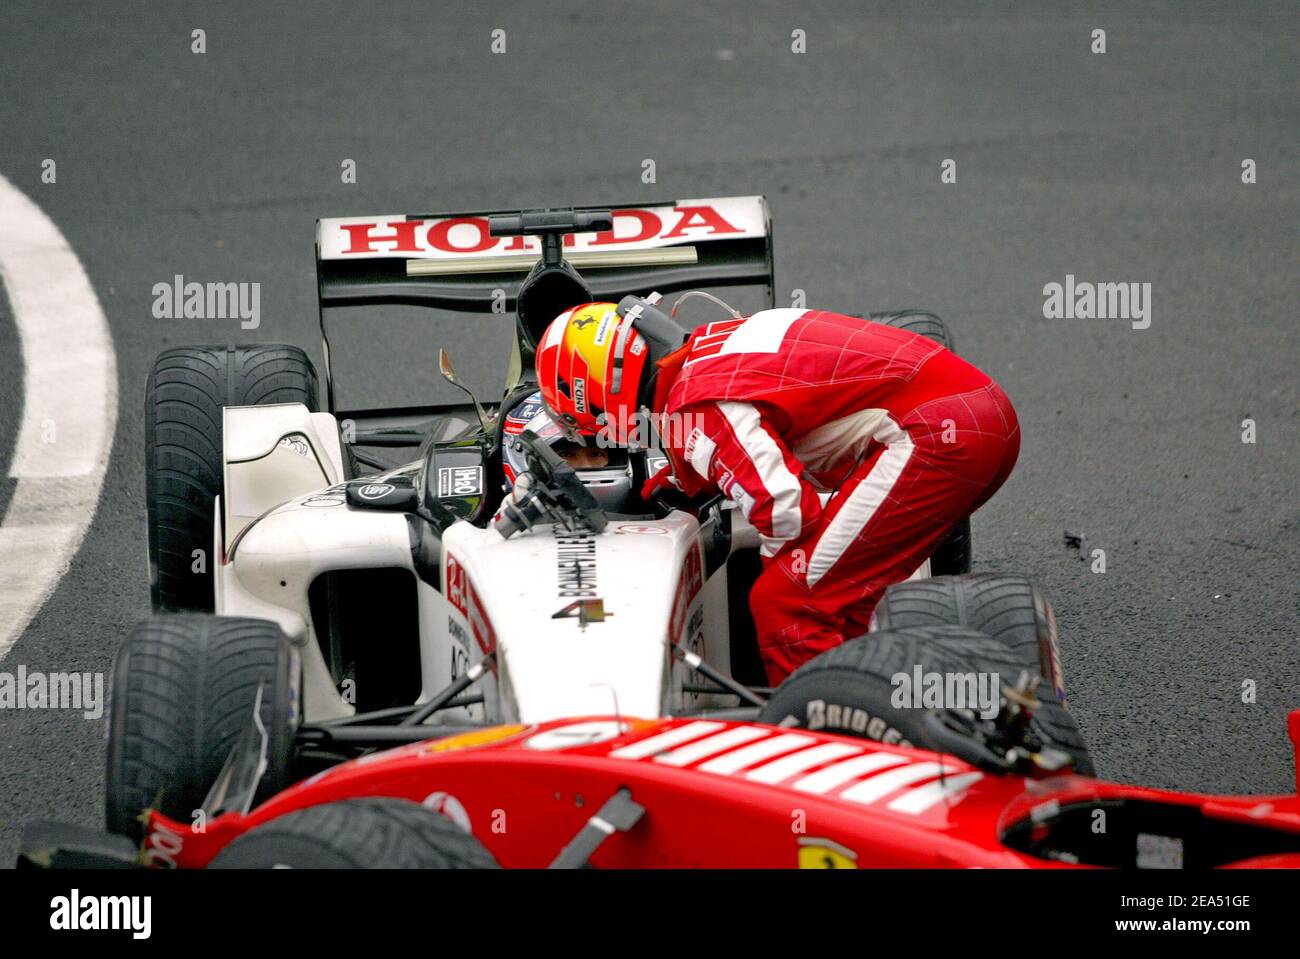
(450, 261)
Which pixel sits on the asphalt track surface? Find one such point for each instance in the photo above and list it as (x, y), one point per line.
(1123, 166)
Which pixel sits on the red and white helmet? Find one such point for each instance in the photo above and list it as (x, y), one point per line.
(590, 363)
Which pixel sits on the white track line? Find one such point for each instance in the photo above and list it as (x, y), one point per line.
(69, 387)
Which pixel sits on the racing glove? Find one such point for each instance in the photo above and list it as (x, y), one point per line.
(661, 480)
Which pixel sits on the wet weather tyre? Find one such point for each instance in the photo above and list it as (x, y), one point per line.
(184, 688)
(373, 833)
(917, 321)
(1005, 606)
(848, 690)
(184, 396)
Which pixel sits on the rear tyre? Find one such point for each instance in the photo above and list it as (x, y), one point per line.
(184, 688)
(373, 833)
(1013, 611)
(1007, 607)
(186, 391)
(849, 691)
(917, 321)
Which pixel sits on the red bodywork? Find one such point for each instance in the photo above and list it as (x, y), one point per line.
(725, 794)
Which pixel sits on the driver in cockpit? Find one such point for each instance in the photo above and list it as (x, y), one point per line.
(605, 471)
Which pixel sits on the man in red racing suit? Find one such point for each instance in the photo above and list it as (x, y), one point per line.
(908, 438)
(905, 436)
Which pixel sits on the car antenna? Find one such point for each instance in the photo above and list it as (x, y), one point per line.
(449, 374)
(618, 713)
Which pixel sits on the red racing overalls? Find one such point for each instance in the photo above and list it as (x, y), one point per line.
(906, 436)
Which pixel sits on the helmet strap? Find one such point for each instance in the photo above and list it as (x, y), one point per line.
(663, 336)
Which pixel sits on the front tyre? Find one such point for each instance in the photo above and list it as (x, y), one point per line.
(185, 394)
(373, 833)
(184, 687)
(850, 689)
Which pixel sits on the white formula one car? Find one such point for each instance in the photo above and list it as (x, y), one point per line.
(352, 607)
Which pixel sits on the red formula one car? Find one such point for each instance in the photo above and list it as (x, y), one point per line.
(618, 792)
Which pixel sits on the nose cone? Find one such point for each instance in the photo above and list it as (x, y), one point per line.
(551, 663)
